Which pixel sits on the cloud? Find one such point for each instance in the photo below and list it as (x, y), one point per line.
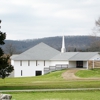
(72, 14)
(25, 19)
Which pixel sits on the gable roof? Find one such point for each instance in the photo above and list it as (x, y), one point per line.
(64, 56)
(83, 56)
(13, 56)
(39, 52)
(44, 52)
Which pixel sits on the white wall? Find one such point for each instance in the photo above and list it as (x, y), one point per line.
(72, 64)
(40, 63)
(85, 64)
(32, 63)
(29, 70)
(24, 63)
(16, 63)
(47, 63)
(54, 63)
(12, 62)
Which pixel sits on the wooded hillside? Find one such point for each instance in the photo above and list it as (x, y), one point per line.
(72, 43)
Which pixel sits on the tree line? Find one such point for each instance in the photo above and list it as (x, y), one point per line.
(73, 43)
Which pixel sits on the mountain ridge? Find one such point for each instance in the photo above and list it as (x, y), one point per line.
(71, 42)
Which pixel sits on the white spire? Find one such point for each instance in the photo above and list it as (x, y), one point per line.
(63, 49)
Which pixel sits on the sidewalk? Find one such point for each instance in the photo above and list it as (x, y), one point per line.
(50, 90)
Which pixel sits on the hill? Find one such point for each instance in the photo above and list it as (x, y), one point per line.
(72, 42)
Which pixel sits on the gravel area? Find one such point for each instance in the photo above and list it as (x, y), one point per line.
(70, 75)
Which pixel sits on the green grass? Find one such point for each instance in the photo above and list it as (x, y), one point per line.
(73, 95)
(88, 73)
(49, 81)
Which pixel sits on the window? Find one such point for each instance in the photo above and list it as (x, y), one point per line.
(28, 62)
(21, 72)
(20, 62)
(36, 62)
(44, 62)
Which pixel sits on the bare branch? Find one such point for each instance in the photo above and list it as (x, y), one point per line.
(10, 49)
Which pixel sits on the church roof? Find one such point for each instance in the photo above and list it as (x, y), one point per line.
(39, 52)
(83, 56)
(13, 56)
(44, 52)
(64, 56)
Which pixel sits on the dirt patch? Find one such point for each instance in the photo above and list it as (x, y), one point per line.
(70, 75)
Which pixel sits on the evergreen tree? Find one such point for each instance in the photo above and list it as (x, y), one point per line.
(5, 67)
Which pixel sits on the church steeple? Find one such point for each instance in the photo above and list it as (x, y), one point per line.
(63, 49)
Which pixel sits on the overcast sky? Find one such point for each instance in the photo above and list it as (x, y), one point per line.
(29, 19)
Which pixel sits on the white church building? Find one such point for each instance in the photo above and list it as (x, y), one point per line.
(42, 59)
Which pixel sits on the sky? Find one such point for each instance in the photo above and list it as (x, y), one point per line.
(31, 19)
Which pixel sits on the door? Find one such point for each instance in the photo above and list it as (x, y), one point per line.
(79, 64)
(37, 73)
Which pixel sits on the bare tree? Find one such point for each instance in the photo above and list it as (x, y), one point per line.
(10, 49)
(95, 37)
(96, 29)
(98, 24)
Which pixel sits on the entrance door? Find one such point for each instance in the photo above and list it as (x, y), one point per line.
(38, 73)
(79, 64)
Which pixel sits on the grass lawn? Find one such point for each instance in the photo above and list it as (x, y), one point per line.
(88, 73)
(73, 95)
(49, 81)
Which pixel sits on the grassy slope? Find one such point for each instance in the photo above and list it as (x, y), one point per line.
(88, 73)
(52, 80)
(73, 95)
